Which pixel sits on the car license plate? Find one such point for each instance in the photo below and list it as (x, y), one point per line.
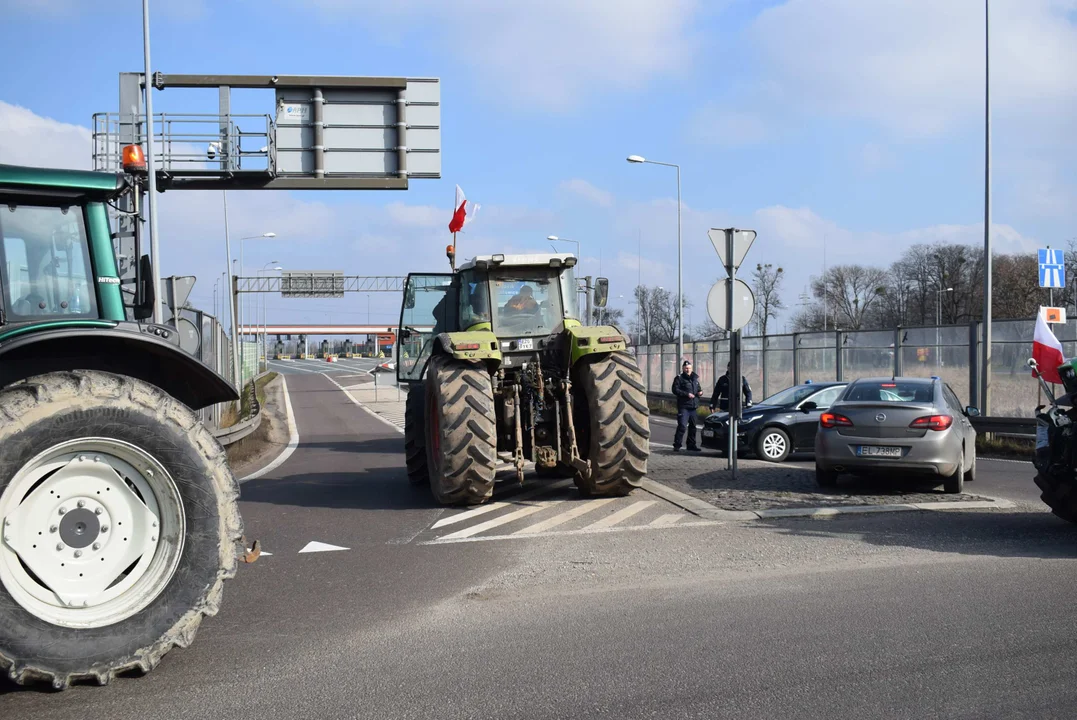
(525, 344)
(878, 451)
(708, 433)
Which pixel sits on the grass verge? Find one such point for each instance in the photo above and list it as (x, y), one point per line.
(231, 414)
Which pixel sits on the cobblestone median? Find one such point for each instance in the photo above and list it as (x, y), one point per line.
(772, 486)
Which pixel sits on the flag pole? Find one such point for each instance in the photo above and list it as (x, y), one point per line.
(452, 262)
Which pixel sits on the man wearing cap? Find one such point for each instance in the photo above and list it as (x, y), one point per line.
(687, 389)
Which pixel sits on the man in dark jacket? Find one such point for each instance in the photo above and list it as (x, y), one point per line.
(687, 389)
(720, 398)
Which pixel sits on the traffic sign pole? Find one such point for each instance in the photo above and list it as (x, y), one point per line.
(734, 355)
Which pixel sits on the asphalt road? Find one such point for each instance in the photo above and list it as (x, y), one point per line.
(956, 615)
(1008, 479)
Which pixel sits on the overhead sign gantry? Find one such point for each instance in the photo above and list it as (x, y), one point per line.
(322, 132)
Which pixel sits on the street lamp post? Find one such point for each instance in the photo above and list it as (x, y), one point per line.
(680, 295)
(938, 322)
(265, 341)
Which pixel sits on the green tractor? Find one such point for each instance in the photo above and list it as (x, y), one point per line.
(119, 520)
(499, 368)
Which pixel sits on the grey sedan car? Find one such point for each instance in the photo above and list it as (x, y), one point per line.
(906, 425)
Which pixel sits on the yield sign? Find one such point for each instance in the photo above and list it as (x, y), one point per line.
(742, 240)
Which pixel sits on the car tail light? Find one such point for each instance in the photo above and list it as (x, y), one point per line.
(932, 422)
(829, 420)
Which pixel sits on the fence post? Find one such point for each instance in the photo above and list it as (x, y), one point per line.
(974, 364)
(763, 353)
(839, 362)
(898, 337)
(796, 358)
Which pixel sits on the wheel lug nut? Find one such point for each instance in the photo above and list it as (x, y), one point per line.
(59, 546)
(104, 528)
(98, 511)
(78, 553)
(62, 510)
(52, 528)
(153, 539)
(97, 546)
(97, 458)
(155, 524)
(82, 458)
(82, 503)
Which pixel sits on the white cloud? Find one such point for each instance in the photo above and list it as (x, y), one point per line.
(29, 139)
(548, 55)
(589, 192)
(917, 66)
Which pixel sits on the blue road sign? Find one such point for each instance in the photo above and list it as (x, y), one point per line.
(1052, 268)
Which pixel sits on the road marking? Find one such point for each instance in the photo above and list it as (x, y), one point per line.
(562, 518)
(364, 407)
(315, 546)
(622, 514)
(483, 509)
(666, 520)
(583, 531)
(293, 436)
(503, 520)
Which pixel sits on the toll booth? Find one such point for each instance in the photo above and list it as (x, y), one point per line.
(349, 349)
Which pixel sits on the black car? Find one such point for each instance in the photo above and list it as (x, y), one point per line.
(778, 426)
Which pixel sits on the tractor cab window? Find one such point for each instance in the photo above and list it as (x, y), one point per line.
(45, 263)
(526, 303)
(474, 299)
(570, 294)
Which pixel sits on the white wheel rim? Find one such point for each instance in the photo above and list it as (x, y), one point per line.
(93, 530)
(773, 445)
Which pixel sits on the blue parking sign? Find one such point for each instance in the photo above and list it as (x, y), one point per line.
(1052, 268)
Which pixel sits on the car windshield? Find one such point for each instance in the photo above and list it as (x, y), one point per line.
(526, 303)
(790, 396)
(891, 391)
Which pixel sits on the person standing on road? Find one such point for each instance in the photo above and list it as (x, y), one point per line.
(687, 389)
(720, 398)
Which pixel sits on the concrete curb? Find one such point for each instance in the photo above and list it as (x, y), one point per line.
(710, 512)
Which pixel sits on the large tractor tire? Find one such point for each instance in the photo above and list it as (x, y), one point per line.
(1059, 493)
(612, 424)
(119, 523)
(415, 435)
(461, 431)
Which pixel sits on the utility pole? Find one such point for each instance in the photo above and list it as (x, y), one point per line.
(151, 179)
(985, 351)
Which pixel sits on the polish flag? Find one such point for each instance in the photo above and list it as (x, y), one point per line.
(1046, 351)
(463, 214)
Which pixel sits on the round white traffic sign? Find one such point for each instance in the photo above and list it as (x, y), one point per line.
(743, 304)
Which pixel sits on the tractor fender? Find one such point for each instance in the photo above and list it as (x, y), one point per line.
(449, 343)
(589, 340)
(122, 350)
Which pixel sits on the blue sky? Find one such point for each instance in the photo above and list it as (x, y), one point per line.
(857, 121)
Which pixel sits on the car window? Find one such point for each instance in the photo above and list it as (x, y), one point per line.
(951, 398)
(891, 391)
(827, 397)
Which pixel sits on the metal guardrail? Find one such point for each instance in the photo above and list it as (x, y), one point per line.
(237, 432)
(1013, 426)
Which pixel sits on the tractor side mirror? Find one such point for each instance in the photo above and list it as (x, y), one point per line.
(146, 295)
(409, 296)
(602, 291)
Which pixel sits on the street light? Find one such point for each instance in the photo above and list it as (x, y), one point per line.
(265, 342)
(680, 295)
(242, 266)
(554, 238)
(938, 322)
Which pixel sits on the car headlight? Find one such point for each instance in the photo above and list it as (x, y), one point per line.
(753, 418)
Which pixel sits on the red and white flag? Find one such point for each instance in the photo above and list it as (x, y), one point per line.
(464, 212)
(1046, 351)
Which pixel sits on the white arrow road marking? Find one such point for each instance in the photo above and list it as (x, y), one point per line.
(315, 546)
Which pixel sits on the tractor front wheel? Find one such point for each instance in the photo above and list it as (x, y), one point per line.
(612, 424)
(415, 435)
(461, 431)
(119, 522)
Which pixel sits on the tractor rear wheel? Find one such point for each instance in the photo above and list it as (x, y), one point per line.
(610, 415)
(461, 431)
(119, 522)
(415, 435)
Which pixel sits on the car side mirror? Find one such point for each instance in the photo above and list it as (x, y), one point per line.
(972, 411)
(602, 292)
(809, 406)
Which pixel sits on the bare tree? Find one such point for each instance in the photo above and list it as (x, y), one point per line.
(767, 286)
